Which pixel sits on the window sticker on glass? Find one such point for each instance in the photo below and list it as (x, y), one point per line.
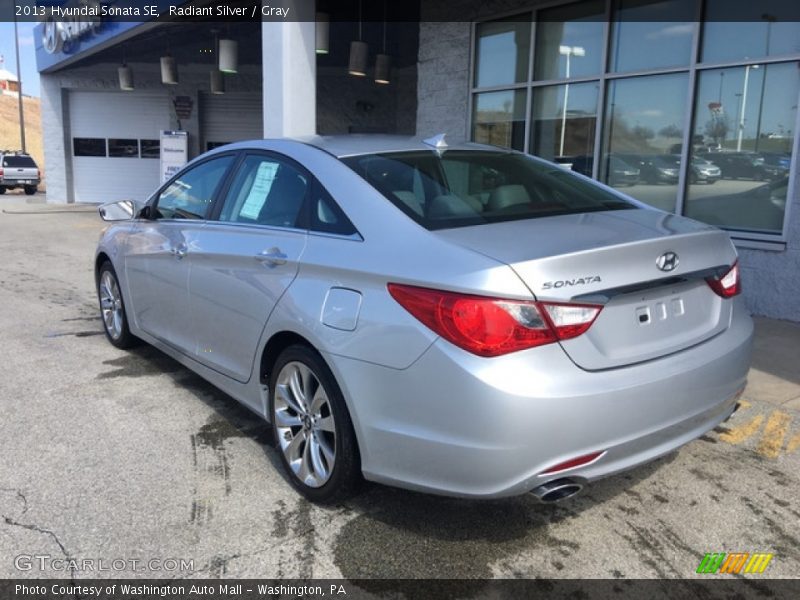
(257, 196)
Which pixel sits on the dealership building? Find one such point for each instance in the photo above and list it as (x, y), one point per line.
(687, 105)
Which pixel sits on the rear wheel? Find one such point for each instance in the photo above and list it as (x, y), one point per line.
(112, 309)
(30, 190)
(2, 190)
(312, 427)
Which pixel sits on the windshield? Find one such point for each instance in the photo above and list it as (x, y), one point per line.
(462, 188)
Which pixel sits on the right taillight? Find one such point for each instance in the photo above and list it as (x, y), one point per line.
(489, 326)
(729, 284)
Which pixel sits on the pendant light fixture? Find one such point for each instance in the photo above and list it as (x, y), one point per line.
(228, 55)
(359, 52)
(383, 62)
(216, 78)
(125, 75)
(217, 82)
(323, 32)
(169, 70)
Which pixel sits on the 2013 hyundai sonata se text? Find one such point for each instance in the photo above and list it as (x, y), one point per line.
(458, 319)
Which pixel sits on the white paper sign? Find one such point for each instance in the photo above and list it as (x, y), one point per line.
(259, 191)
(174, 153)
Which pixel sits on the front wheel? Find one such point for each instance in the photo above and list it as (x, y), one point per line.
(312, 427)
(112, 309)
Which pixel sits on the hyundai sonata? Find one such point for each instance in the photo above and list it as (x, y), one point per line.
(459, 319)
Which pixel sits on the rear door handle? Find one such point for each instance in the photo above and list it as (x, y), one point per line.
(273, 257)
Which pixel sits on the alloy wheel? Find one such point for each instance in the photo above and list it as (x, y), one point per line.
(306, 429)
(111, 305)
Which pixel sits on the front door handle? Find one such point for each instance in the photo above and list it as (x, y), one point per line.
(179, 251)
(273, 256)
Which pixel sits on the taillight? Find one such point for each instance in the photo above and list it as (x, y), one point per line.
(1, 171)
(493, 326)
(729, 284)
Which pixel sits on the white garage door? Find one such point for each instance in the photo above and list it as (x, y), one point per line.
(230, 117)
(119, 119)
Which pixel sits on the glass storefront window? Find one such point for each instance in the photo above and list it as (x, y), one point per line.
(502, 51)
(651, 35)
(742, 57)
(757, 28)
(563, 124)
(569, 41)
(644, 124)
(499, 118)
(742, 142)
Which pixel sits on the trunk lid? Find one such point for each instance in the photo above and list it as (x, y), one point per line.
(610, 258)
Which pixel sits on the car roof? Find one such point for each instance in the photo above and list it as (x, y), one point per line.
(343, 146)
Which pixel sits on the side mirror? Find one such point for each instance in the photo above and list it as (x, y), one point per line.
(146, 212)
(123, 210)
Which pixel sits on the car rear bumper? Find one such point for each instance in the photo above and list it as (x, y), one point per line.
(19, 182)
(457, 424)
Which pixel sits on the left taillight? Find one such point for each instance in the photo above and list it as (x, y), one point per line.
(489, 326)
(729, 284)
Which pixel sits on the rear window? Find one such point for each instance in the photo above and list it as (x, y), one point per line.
(463, 188)
(18, 161)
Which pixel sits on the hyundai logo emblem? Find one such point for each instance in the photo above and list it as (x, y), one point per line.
(667, 261)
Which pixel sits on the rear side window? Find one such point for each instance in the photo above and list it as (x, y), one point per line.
(19, 162)
(265, 191)
(461, 188)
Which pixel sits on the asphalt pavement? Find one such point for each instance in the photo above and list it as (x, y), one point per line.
(128, 461)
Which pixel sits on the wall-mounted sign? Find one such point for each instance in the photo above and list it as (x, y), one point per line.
(58, 34)
(174, 153)
(183, 106)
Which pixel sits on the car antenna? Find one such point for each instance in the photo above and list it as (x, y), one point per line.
(436, 141)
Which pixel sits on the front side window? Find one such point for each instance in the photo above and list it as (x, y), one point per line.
(462, 188)
(266, 191)
(191, 193)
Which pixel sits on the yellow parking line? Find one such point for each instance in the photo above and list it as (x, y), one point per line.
(793, 444)
(774, 434)
(739, 434)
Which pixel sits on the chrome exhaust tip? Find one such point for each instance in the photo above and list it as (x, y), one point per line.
(557, 490)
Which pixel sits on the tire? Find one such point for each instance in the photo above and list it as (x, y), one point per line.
(112, 309)
(316, 444)
(2, 190)
(30, 190)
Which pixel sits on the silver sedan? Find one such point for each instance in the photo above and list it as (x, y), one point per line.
(458, 319)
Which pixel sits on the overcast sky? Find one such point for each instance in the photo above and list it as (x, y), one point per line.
(27, 55)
